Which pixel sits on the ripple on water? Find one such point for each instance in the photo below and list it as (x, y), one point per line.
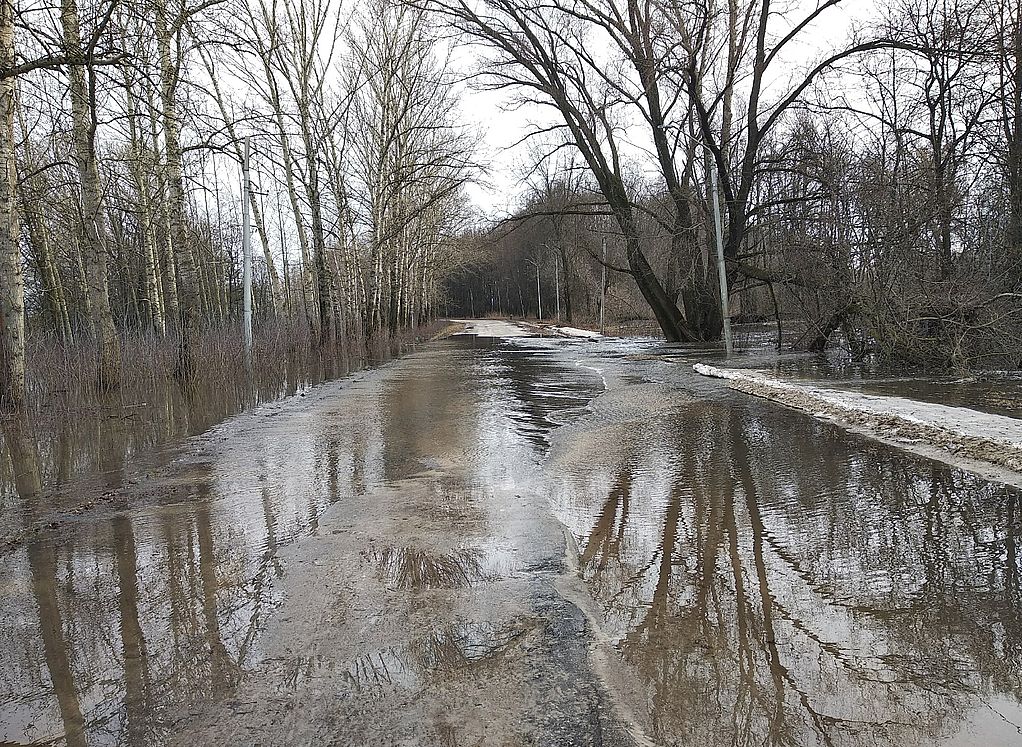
(736, 548)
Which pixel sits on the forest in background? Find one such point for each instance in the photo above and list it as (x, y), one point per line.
(871, 190)
(871, 187)
(124, 126)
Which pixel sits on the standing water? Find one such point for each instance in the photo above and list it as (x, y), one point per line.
(383, 561)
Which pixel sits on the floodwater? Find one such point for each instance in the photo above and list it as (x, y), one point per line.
(994, 392)
(527, 541)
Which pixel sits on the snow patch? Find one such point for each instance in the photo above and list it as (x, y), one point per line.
(576, 332)
(960, 431)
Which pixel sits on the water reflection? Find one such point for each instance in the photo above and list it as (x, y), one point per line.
(773, 580)
(117, 625)
(767, 578)
(114, 439)
(110, 624)
(375, 674)
(412, 568)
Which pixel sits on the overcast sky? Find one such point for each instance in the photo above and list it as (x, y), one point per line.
(502, 127)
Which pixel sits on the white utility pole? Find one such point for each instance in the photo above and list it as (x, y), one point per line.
(718, 226)
(603, 285)
(246, 243)
(539, 294)
(557, 285)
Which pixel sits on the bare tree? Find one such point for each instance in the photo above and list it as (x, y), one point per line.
(12, 285)
(543, 52)
(82, 80)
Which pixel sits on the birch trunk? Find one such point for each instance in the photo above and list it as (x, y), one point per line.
(308, 288)
(12, 284)
(163, 248)
(321, 272)
(29, 191)
(187, 276)
(54, 301)
(82, 87)
(141, 164)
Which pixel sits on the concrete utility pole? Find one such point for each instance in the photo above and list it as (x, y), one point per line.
(603, 284)
(539, 293)
(246, 243)
(718, 226)
(557, 285)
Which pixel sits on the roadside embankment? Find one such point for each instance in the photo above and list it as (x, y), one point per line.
(987, 444)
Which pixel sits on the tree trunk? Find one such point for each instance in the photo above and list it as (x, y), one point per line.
(833, 324)
(187, 276)
(321, 272)
(29, 191)
(1013, 128)
(83, 118)
(12, 285)
(308, 288)
(52, 289)
(163, 249)
(140, 166)
(666, 311)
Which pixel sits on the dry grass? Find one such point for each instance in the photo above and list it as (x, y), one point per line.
(63, 377)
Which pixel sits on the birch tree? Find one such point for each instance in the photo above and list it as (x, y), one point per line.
(12, 284)
(411, 157)
(169, 26)
(82, 85)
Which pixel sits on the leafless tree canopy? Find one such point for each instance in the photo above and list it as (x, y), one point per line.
(122, 133)
(871, 187)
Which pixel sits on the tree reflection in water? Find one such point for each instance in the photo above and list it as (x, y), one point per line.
(773, 580)
(767, 577)
(112, 627)
(117, 625)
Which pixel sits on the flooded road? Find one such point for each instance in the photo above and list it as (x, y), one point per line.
(515, 542)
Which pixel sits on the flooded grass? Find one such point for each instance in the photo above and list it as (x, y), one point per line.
(85, 433)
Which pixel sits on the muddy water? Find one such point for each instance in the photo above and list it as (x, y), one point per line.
(94, 444)
(118, 627)
(379, 562)
(771, 579)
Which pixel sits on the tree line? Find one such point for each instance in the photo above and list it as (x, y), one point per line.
(122, 129)
(871, 189)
